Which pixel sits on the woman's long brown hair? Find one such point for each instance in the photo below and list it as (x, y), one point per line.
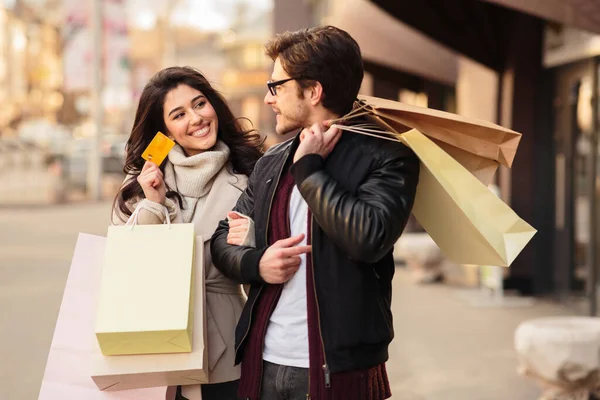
(244, 144)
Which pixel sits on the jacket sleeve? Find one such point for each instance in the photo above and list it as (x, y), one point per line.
(367, 224)
(239, 263)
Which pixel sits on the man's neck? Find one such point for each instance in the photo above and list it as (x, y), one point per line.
(318, 116)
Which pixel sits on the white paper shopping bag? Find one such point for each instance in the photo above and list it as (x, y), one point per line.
(68, 369)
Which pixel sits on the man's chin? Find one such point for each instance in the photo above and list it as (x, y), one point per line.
(285, 129)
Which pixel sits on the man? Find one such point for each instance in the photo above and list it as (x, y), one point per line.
(328, 208)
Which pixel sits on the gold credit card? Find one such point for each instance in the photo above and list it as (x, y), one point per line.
(158, 149)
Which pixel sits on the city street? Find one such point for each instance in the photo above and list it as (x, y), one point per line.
(443, 350)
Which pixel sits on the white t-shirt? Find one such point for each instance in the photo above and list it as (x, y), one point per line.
(286, 341)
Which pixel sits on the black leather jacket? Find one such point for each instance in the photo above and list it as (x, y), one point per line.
(360, 197)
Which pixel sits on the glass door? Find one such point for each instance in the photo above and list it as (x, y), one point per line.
(576, 165)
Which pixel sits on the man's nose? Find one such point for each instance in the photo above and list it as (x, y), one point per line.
(269, 98)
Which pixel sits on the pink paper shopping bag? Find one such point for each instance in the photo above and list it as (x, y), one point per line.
(67, 374)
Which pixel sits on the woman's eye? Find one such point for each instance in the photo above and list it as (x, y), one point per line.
(178, 116)
(200, 104)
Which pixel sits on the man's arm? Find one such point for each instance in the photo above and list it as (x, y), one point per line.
(368, 224)
(274, 264)
(239, 263)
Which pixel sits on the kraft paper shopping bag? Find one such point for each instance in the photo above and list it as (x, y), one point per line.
(479, 146)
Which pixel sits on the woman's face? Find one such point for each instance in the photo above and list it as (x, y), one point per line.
(190, 119)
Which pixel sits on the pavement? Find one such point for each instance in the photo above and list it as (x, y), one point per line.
(447, 349)
(444, 348)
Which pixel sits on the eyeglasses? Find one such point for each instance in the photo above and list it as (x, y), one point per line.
(272, 85)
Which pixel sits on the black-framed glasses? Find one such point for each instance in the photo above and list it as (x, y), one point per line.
(272, 85)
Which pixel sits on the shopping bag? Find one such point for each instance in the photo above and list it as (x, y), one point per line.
(146, 302)
(465, 219)
(479, 146)
(137, 371)
(67, 373)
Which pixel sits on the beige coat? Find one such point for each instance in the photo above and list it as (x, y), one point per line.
(224, 298)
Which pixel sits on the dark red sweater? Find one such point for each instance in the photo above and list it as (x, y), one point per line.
(369, 384)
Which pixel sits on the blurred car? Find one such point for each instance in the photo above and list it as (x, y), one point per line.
(76, 158)
(44, 134)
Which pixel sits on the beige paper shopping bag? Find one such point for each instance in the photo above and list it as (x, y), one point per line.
(146, 298)
(67, 373)
(138, 371)
(466, 220)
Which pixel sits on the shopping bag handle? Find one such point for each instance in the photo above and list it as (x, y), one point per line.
(133, 220)
(367, 131)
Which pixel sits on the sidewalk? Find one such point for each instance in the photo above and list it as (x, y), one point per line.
(443, 350)
(36, 246)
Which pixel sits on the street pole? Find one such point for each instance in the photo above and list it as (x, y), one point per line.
(593, 256)
(94, 176)
(169, 56)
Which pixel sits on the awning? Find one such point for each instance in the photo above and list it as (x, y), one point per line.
(482, 29)
(583, 14)
(390, 42)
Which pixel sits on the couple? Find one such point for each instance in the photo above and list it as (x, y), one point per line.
(312, 230)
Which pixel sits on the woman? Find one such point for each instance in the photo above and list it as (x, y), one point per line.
(199, 182)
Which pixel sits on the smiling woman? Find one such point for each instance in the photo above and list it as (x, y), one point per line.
(190, 119)
(199, 183)
(180, 102)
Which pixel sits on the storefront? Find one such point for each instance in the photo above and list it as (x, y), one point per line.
(572, 61)
(548, 89)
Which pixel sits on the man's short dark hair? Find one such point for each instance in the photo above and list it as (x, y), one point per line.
(325, 54)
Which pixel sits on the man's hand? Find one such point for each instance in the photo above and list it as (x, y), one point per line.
(238, 228)
(281, 260)
(317, 140)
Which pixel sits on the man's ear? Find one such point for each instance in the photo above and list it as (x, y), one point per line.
(316, 93)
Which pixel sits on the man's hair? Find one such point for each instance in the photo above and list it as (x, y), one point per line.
(325, 54)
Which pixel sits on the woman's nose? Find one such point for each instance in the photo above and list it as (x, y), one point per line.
(196, 118)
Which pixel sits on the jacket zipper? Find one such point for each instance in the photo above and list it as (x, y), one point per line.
(325, 366)
(249, 324)
(266, 241)
(262, 348)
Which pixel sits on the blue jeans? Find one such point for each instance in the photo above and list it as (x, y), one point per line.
(280, 382)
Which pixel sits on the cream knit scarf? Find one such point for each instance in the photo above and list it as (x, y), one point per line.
(192, 177)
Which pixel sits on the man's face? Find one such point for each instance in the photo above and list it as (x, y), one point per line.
(292, 111)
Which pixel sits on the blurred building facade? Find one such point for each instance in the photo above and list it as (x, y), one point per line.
(46, 87)
(30, 65)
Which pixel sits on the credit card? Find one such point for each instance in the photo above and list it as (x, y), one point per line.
(158, 149)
